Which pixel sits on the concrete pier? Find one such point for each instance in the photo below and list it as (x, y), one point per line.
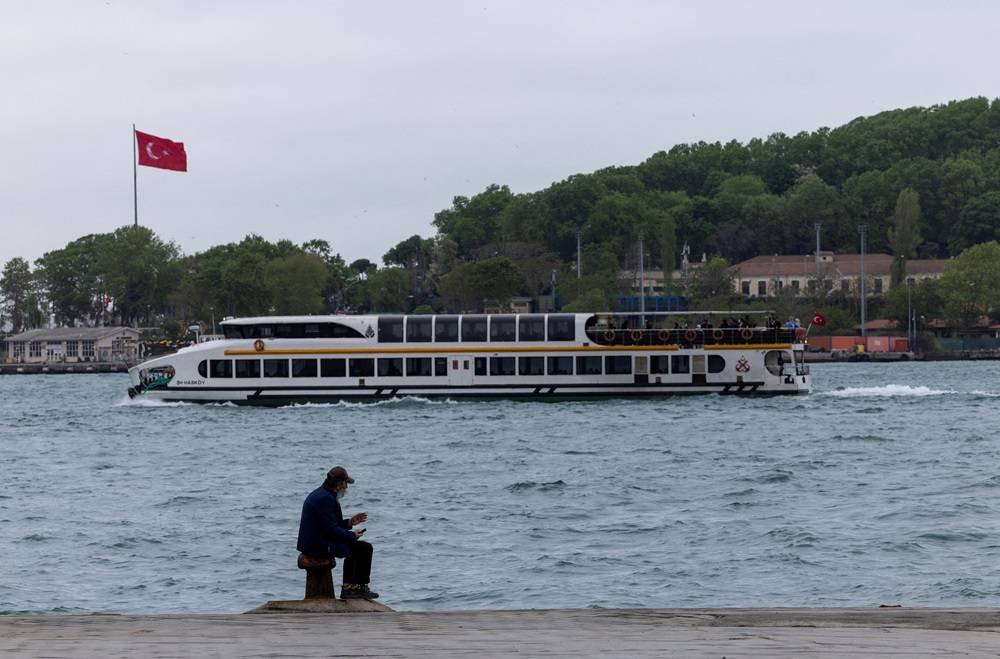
(543, 633)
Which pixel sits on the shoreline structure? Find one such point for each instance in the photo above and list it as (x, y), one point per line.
(780, 632)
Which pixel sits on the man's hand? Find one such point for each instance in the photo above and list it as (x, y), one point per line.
(359, 533)
(357, 519)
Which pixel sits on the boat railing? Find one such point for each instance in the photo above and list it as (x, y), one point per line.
(690, 337)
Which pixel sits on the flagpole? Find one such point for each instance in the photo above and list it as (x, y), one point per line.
(135, 180)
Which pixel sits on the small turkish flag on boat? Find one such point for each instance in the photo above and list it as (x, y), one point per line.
(819, 319)
(160, 152)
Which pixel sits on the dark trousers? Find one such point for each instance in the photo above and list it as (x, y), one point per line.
(358, 566)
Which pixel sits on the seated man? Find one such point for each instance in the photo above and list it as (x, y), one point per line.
(325, 533)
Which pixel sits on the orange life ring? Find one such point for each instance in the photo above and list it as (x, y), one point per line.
(690, 336)
(636, 335)
(746, 333)
(664, 335)
(718, 334)
(609, 335)
(258, 345)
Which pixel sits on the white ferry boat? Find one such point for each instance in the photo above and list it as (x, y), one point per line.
(297, 359)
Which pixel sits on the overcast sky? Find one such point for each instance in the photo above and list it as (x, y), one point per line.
(357, 121)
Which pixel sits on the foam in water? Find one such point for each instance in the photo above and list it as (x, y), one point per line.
(889, 390)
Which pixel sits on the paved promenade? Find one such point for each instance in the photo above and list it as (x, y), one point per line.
(546, 633)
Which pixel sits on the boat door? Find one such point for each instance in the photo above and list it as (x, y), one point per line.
(460, 370)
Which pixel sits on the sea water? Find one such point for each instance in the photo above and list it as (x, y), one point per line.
(880, 487)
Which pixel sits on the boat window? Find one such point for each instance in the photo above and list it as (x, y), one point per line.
(440, 366)
(501, 366)
(480, 366)
(362, 367)
(716, 363)
(291, 331)
(446, 329)
(698, 364)
(203, 368)
(680, 364)
(503, 328)
(588, 365)
(531, 328)
(390, 329)
(304, 368)
(248, 368)
(418, 366)
(775, 360)
(390, 367)
(659, 364)
(220, 368)
(418, 329)
(562, 328)
(275, 368)
(560, 366)
(618, 364)
(473, 328)
(333, 368)
(531, 365)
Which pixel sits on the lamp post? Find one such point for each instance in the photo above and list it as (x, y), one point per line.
(863, 230)
(909, 314)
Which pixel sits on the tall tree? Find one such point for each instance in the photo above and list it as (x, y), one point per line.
(904, 234)
(17, 288)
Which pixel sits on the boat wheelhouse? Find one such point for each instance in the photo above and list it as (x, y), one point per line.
(283, 360)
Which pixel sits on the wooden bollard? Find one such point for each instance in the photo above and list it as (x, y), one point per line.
(319, 576)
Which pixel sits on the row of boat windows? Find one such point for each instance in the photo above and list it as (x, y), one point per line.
(452, 329)
(364, 367)
(291, 331)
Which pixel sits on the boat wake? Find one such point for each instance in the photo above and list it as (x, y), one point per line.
(396, 401)
(901, 391)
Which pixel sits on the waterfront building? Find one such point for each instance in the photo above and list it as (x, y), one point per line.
(74, 344)
(767, 276)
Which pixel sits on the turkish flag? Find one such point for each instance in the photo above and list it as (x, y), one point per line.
(160, 152)
(819, 319)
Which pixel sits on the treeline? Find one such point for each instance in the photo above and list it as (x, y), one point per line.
(732, 201)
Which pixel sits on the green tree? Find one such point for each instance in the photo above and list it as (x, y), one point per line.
(904, 235)
(712, 279)
(978, 222)
(297, 282)
(70, 278)
(17, 292)
(390, 290)
(971, 284)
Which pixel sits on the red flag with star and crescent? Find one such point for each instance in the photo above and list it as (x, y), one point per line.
(819, 319)
(160, 152)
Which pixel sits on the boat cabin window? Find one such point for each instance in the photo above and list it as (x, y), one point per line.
(418, 329)
(275, 368)
(618, 364)
(248, 368)
(418, 366)
(531, 366)
(313, 330)
(304, 368)
(480, 366)
(220, 368)
(333, 368)
(390, 367)
(440, 366)
(531, 328)
(588, 365)
(502, 366)
(446, 329)
(362, 367)
(473, 328)
(680, 364)
(503, 328)
(560, 366)
(775, 361)
(203, 368)
(716, 363)
(390, 329)
(659, 364)
(562, 328)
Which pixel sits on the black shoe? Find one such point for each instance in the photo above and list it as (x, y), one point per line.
(358, 593)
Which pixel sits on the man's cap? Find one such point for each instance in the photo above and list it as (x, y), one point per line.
(339, 474)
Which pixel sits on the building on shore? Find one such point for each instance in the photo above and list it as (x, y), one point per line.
(74, 344)
(767, 276)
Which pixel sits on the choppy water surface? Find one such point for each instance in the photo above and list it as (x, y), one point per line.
(879, 488)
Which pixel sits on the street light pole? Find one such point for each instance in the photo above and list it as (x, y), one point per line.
(909, 315)
(863, 230)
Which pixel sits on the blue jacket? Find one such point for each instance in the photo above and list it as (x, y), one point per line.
(323, 531)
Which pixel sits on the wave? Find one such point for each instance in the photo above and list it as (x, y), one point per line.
(888, 390)
(395, 400)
